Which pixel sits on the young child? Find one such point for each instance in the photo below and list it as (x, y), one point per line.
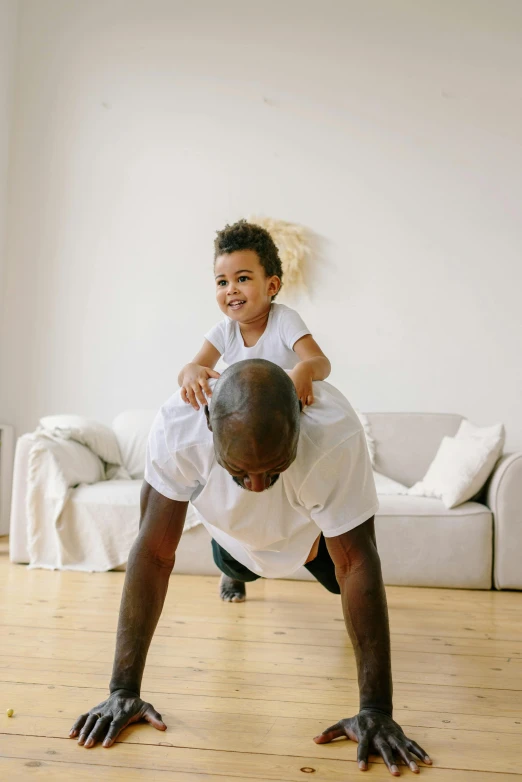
(249, 275)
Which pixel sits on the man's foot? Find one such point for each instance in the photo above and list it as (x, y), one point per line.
(232, 591)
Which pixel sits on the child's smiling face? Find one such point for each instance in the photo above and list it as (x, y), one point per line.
(243, 291)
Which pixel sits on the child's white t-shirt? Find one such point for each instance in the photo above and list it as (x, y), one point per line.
(285, 326)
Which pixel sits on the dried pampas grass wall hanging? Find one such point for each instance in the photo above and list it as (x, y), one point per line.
(294, 245)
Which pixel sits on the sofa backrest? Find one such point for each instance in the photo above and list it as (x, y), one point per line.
(406, 443)
(132, 431)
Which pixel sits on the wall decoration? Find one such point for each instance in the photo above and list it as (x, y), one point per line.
(294, 244)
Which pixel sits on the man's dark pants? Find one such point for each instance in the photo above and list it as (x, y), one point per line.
(322, 567)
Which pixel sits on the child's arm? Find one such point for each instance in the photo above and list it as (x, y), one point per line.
(193, 378)
(313, 366)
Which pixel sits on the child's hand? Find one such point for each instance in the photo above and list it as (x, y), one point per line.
(302, 380)
(194, 384)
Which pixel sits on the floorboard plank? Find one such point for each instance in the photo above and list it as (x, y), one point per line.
(59, 757)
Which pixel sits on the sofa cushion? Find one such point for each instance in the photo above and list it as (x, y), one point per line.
(462, 464)
(110, 494)
(117, 495)
(405, 505)
(406, 443)
(421, 543)
(132, 431)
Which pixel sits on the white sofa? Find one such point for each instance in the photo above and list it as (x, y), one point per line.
(421, 543)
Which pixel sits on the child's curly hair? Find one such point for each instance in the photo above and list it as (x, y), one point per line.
(248, 236)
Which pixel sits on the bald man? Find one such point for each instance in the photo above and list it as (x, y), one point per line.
(276, 488)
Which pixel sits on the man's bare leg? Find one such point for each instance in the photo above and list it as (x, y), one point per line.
(232, 591)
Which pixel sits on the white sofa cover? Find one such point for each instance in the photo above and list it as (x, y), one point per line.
(421, 543)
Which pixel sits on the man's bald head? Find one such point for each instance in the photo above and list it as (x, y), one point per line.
(254, 416)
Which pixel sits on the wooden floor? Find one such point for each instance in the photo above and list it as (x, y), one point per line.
(244, 688)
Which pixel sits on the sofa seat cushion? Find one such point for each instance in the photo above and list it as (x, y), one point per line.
(119, 494)
(406, 505)
(109, 494)
(421, 543)
(100, 523)
(125, 493)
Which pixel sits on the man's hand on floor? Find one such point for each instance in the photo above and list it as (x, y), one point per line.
(378, 734)
(107, 720)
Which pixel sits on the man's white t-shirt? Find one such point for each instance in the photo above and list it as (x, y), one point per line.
(284, 328)
(329, 488)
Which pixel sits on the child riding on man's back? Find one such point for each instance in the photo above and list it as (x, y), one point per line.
(248, 274)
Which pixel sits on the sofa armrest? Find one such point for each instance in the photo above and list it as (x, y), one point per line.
(6, 474)
(76, 463)
(504, 498)
(18, 551)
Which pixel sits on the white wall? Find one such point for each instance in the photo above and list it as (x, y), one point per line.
(8, 18)
(393, 129)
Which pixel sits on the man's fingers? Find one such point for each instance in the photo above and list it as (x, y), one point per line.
(78, 725)
(213, 373)
(386, 753)
(98, 732)
(310, 399)
(115, 728)
(154, 718)
(418, 751)
(362, 753)
(330, 733)
(89, 724)
(405, 755)
(184, 395)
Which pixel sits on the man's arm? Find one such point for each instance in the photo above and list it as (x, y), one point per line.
(146, 582)
(358, 572)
